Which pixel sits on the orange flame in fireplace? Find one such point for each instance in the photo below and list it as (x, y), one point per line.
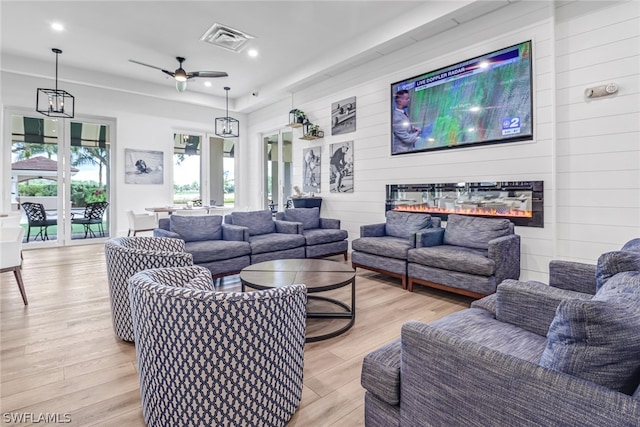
(466, 211)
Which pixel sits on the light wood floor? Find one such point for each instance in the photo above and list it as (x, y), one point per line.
(60, 356)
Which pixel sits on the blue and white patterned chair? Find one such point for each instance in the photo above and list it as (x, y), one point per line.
(216, 359)
(126, 256)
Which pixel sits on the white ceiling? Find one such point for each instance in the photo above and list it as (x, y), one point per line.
(299, 42)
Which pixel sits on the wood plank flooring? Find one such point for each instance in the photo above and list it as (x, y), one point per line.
(60, 357)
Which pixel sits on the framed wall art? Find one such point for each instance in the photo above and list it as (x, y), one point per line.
(343, 116)
(311, 169)
(341, 167)
(143, 167)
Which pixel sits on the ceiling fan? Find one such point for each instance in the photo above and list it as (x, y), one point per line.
(181, 75)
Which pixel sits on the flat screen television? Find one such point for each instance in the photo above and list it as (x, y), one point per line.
(483, 100)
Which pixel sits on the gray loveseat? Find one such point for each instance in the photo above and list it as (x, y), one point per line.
(471, 256)
(323, 236)
(219, 247)
(533, 355)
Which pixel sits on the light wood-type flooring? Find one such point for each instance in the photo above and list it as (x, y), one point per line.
(60, 356)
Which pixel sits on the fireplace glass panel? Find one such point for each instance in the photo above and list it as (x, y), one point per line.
(519, 201)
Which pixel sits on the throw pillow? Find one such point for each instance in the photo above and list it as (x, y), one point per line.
(258, 222)
(197, 228)
(309, 217)
(598, 340)
(474, 232)
(625, 286)
(612, 263)
(405, 224)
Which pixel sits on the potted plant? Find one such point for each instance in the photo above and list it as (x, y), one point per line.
(297, 116)
(313, 130)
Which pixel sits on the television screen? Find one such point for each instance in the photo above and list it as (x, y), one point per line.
(484, 100)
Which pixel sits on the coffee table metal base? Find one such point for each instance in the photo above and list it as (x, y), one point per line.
(318, 275)
(349, 313)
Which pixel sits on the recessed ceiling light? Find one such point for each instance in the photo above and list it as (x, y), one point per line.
(252, 53)
(57, 26)
(207, 84)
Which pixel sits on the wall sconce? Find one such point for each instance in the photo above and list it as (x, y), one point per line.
(599, 91)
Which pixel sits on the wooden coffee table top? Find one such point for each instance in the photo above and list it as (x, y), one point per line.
(317, 274)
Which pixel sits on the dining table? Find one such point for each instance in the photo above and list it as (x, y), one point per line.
(196, 210)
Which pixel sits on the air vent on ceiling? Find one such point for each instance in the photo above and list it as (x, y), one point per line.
(226, 37)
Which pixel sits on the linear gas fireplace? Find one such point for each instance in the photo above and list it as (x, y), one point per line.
(519, 201)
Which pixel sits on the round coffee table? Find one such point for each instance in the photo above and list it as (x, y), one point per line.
(318, 275)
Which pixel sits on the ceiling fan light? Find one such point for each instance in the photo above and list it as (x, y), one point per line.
(180, 75)
(181, 85)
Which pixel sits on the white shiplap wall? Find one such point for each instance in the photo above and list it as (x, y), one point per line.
(598, 140)
(568, 153)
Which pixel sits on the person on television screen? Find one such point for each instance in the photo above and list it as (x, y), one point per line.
(405, 135)
(338, 165)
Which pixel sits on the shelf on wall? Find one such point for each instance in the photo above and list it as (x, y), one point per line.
(310, 137)
(295, 125)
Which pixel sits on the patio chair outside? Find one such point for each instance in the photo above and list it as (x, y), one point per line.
(37, 217)
(93, 214)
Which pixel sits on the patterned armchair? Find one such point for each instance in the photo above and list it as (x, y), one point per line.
(224, 359)
(126, 256)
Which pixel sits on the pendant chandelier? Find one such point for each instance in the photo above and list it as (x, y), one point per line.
(227, 127)
(55, 102)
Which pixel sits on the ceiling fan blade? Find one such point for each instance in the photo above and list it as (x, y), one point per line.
(208, 74)
(152, 66)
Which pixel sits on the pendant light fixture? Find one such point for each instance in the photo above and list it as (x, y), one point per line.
(55, 102)
(227, 127)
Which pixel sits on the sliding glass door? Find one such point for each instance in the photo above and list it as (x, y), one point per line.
(89, 176)
(60, 175)
(278, 168)
(36, 147)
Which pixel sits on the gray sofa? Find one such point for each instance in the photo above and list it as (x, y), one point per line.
(384, 247)
(530, 355)
(269, 239)
(323, 236)
(219, 247)
(471, 256)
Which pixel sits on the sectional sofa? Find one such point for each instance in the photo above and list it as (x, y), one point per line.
(246, 238)
(563, 354)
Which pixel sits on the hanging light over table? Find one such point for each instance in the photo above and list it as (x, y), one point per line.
(55, 102)
(227, 127)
